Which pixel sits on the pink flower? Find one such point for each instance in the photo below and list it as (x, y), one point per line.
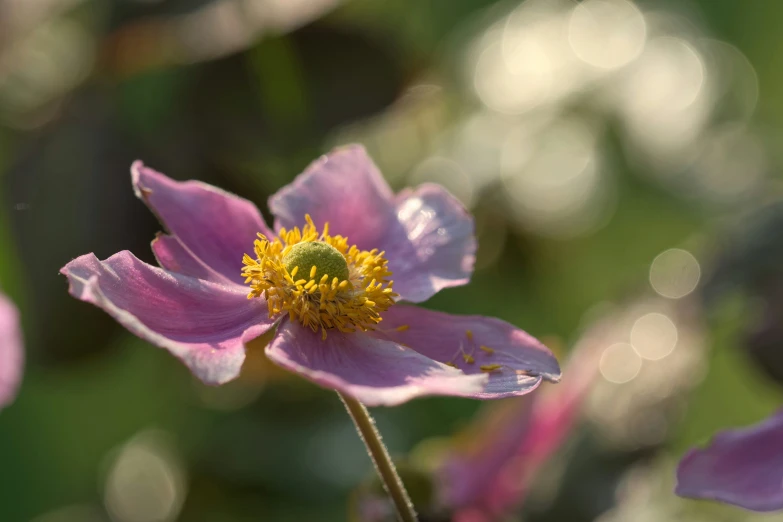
(743, 467)
(323, 277)
(11, 352)
(512, 441)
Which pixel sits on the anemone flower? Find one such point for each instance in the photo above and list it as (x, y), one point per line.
(11, 353)
(332, 277)
(743, 467)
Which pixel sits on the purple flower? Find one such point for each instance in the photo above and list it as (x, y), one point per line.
(743, 467)
(344, 252)
(11, 352)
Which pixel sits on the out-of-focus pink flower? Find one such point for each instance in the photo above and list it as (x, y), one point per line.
(743, 467)
(323, 278)
(487, 480)
(11, 351)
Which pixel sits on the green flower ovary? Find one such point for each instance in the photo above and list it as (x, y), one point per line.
(324, 257)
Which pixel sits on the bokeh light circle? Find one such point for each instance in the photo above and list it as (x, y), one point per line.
(607, 33)
(674, 273)
(620, 363)
(654, 336)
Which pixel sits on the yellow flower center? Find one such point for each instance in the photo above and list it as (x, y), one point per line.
(318, 280)
(327, 260)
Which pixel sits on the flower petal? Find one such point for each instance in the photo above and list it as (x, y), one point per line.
(513, 439)
(743, 467)
(373, 371)
(344, 188)
(441, 234)
(11, 352)
(427, 234)
(203, 323)
(175, 257)
(515, 361)
(215, 226)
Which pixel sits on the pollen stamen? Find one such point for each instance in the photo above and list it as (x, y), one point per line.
(469, 355)
(347, 288)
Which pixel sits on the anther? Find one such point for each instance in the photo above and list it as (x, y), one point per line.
(345, 288)
(490, 368)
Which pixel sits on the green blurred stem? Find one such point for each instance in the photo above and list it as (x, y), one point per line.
(369, 434)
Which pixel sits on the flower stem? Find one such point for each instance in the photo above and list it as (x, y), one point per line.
(369, 434)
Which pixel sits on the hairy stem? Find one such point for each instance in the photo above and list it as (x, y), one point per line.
(369, 434)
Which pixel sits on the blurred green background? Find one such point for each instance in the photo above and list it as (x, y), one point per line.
(611, 152)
